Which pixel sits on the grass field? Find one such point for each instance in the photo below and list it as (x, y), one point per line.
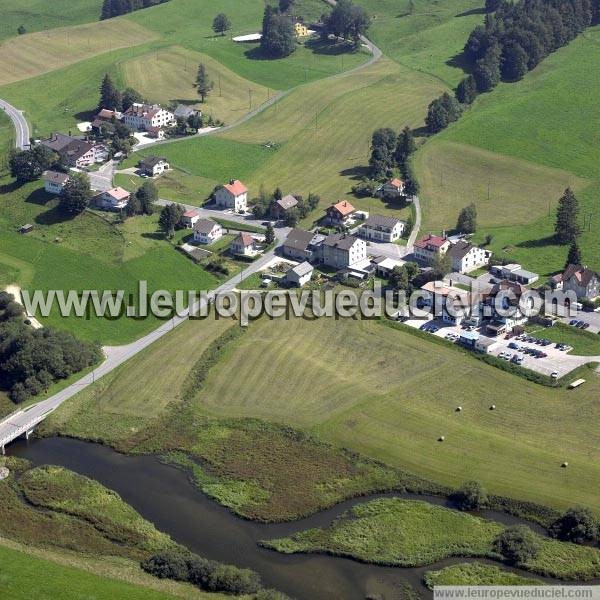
(534, 125)
(583, 342)
(62, 253)
(408, 533)
(394, 402)
(476, 574)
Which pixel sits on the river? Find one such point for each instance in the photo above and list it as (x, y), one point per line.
(164, 495)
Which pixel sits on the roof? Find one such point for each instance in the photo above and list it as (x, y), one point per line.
(58, 141)
(204, 226)
(191, 213)
(396, 182)
(106, 114)
(505, 286)
(55, 177)
(236, 187)
(287, 202)
(381, 221)
(582, 274)
(304, 268)
(486, 342)
(243, 238)
(143, 110)
(343, 207)
(118, 193)
(431, 240)
(342, 241)
(460, 249)
(385, 262)
(298, 239)
(151, 161)
(469, 335)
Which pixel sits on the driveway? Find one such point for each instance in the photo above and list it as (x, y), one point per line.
(22, 134)
(102, 179)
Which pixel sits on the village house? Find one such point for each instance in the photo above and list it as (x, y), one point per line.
(190, 218)
(514, 272)
(103, 118)
(501, 307)
(280, 208)
(207, 231)
(183, 111)
(300, 274)
(393, 188)
(232, 195)
(114, 199)
(302, 245)
(430, 248)
(340, 250)
(453, 304)
(244, 244)
(466, 257)
(54, 181)
(382, 229)
(153, 166)
(75, 152)
(581, 280)
(148, 117)
(340, 214)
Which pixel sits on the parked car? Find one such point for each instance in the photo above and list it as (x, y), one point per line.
(513, 346)
(554, 374)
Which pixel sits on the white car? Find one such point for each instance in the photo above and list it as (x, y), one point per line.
(554, 374)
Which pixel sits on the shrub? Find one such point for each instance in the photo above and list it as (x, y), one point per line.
(470, 496)
(575, 525)
(270, 595)
(517, 544)
(167, 565)
(231, 579)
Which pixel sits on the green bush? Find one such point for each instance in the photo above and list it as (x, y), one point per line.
(518, 544)
(576, 525)
(470, 496)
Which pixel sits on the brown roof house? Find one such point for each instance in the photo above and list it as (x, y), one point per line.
(340, 214)
(302, 245)
(581, 280)
(280, 208)
(244, 244)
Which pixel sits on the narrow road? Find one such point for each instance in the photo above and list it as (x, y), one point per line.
(20, 123)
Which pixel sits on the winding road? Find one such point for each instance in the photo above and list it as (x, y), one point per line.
(20, 123)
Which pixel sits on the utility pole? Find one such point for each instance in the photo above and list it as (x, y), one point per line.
(250, 97)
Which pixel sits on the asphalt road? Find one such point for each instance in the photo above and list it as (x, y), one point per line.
(20, 123)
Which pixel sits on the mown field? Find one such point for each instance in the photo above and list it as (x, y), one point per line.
(537, 134)
(408, 533)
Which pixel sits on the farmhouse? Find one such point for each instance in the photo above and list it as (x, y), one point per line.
(341, 250)
(302, 245)
(382, 229)
(207, 231)
(430, 248)
(153, 166)
(183, 111)
(514, 272)
(147, 117)
(466, 257)
(581, 280)
(244, 244)
(393, 188)
(280, 208)
(190, 218)
(75, 152)
(300, 274)
(54, 181)
(103, 118)
(113, 199)
(232, 195)
(340, 214)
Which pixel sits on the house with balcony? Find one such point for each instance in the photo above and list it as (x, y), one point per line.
(382, 229)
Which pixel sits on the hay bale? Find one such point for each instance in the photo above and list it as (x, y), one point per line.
(458, 408)
(441, 438)
(565, 465)
(493, 407)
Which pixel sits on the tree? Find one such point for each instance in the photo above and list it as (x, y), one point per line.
(131, 97)
(576, 525)
(515, 62)
(203, 83)
(441, 112)
(383, 147)
(110, 97)
(466, 91)
(487, 69)
(517, 544)
(21, 30)
(28, 165)
(566, 228)
(492, 5)
(291, 217)
(195, 121)
(278, 39)
(348, 21)
(405, 146)
(170, 218)
(442, 265)
(147, 196)
(221, 24)
(470, 496)
(467, 219)
(285, 5)
(574, 255)
(269, 235)
(76, 195)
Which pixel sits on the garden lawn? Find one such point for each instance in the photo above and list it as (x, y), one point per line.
(409, 533)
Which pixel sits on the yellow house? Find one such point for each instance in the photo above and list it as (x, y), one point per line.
(301, 30)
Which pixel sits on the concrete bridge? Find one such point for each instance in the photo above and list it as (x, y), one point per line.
(22, 423)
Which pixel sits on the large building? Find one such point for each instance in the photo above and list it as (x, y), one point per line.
(232, 195)
(341, 250)
(581, 280)
(302, 245)
(75, 152)
(466, 257)
(430, 248)
(207, 231)
(147, 117)
(382, 229)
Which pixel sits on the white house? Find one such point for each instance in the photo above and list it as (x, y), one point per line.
(392, 188)
(340, 214)
(466, 257)
(113, 199)
(300, 274)
(207, 231)
(450, 303)
(341, 250)
(54, 181)
(232, 195)
(244, 244)
(190, 218)
(147, 117)
(382, 229)
(153, 166)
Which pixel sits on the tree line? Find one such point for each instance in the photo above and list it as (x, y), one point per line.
(115, 8)
(32, 359)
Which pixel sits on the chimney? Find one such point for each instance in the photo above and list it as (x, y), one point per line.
(231, 181)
